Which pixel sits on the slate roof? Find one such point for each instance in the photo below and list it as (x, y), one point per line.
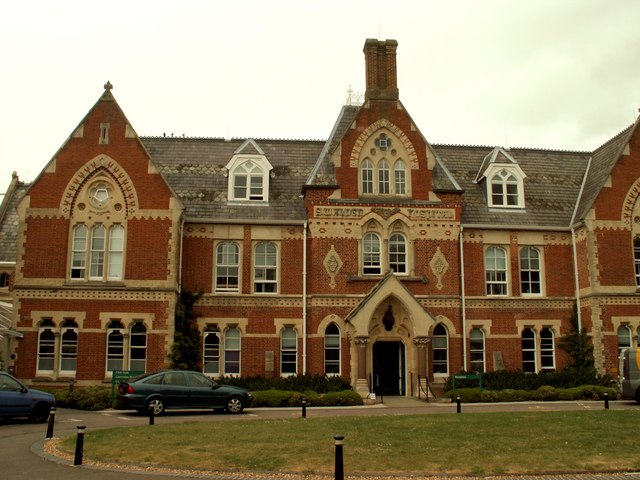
(603, 160)
(9, 219)
(195, 168)
(551, 186)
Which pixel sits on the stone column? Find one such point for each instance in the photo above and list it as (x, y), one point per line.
(421, 349)
(362, 383)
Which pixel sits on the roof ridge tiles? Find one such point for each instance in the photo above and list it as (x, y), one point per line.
(507, 149)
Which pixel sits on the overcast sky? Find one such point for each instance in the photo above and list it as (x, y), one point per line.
(559, 74)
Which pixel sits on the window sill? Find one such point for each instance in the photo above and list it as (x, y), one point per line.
(94, 283)
(377, 278)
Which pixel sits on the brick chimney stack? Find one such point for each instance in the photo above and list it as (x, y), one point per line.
(380, 61)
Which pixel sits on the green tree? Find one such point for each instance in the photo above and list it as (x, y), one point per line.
(185, 352)
(577, 343)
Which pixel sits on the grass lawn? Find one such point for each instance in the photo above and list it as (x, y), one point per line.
(478, 444)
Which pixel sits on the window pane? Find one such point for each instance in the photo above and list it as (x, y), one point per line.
(211, 356)
(400, 178)
(46, 350)
(288, 351)
(69, 350)
(367, 177)
(547, 350)
(232, 351)
(79, 251)
(398, 253)
(332, 350)
(383, 177)
(265, 272)
(227, 259)
(371, 254)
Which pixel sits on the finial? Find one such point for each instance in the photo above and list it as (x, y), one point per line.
(108, 86)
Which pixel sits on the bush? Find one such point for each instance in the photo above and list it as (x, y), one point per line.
(90, 398)
(297, 383)
(545, 393)
(518, 380)
(283, 398)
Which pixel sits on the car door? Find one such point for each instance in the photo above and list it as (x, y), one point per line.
(201, 392)
(175, 389)
(13, 398)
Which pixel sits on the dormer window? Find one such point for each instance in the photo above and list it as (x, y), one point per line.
(503, 179)
(248, 182)
(249, 174)
(504, 189)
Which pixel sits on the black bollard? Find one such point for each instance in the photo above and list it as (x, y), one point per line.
(51, 422)
(339, 469)
(77, 460)
(606, 401)
(458, 406)
(304, 408)
(152, 416)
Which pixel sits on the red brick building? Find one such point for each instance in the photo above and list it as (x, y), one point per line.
(374, 255)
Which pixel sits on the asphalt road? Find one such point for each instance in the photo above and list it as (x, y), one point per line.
(21, 443)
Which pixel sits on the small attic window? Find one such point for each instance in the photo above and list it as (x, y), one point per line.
(104, 133)
(249, 173)
(505, 191)
(503, 179)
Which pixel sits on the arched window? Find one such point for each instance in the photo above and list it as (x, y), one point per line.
(79, 251)
(624, 337)
(398, 253)
(547, 350)
(332, 350)
(371, 263)
(211, 354)
(476, 350)
(366, 174)
(227, 263)
(116, 249)
(495, 264)
(265, 268)
(248, 181)
(69, 348)
(232, 351)
(115, 346)
(46, 347)
(288, 351)
(96, 263)
(530, 271)
(528, 350)
(383, 177)
(400, 178)
(440, 347)
(504, 189)
(138, 347)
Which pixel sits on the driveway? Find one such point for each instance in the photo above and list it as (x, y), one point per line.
(22, 455)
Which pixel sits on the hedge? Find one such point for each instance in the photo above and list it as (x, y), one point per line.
(282, 398)
(544, 393)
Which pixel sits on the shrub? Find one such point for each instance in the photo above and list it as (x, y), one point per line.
(344, 398)
(544, 393)
(90, 398)
(297, 383)
(283, 398)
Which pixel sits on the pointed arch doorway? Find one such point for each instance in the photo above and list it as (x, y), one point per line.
(389, 367)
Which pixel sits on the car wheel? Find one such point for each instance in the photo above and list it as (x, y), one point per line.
(235, 405)
(40, 413)
(156, 405)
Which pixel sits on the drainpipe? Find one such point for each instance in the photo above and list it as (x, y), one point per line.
(573, 244)
(576, 279)
(180, 252)
(463, 305)
(304, 299)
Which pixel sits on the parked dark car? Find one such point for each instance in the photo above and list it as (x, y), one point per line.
(17, 400)
(180, 389)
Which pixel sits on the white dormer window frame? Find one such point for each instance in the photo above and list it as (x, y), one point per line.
(248, 175)
(505, 186)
